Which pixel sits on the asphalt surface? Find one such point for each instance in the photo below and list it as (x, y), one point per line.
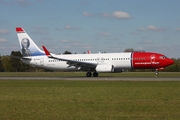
(94, 78)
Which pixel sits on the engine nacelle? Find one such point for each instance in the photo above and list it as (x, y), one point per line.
(118, 70)
(104, 68)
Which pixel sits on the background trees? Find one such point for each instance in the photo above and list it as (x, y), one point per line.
(132, 50)
(67, 52)
(1, 65)
(17, 65)
(13, 64)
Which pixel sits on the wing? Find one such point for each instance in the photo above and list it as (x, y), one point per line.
(81, 65)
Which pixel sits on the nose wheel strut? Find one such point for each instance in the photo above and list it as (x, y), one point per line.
(156, 73)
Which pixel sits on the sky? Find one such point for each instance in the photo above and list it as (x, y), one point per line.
(95, 25)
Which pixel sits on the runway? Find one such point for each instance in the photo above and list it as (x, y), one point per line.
(95, 78)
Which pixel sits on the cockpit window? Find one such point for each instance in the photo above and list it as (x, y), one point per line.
(162, 57)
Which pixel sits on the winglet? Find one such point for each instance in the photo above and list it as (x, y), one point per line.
(46, 51)
(19, 30)
(89, 52)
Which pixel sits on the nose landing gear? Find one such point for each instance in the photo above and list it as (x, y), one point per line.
(157, 73)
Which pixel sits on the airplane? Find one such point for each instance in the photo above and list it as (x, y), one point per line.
(93, 64)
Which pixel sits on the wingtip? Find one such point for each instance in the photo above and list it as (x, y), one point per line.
(46, 51)
(89, 52)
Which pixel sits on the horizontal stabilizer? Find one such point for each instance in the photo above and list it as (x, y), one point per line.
(19, 57)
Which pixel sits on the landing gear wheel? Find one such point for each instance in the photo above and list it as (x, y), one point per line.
(95, 74)
(157, 73)
(88, 74)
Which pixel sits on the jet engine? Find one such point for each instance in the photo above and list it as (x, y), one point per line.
(104, 68)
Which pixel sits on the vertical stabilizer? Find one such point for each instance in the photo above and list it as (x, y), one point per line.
(27, 45)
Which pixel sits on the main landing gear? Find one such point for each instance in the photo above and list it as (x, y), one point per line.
(89, 74)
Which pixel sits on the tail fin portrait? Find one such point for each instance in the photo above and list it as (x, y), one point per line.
(27, 45)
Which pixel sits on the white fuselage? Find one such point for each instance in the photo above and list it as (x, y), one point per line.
(118, 60)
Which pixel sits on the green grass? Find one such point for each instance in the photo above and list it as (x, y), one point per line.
(83, 74)
(89, 100)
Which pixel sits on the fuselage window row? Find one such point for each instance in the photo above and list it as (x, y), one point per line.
(98, 59)
(120, 58)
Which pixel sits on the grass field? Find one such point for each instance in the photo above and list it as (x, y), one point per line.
(88, 100)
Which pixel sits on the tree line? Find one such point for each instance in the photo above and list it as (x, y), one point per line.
(12, 64)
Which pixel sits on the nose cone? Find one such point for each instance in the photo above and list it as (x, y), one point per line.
(170, 62)
(166, 62)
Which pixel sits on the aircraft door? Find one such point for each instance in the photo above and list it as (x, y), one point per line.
(153, 59)
(42, 61)
(35, 62)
